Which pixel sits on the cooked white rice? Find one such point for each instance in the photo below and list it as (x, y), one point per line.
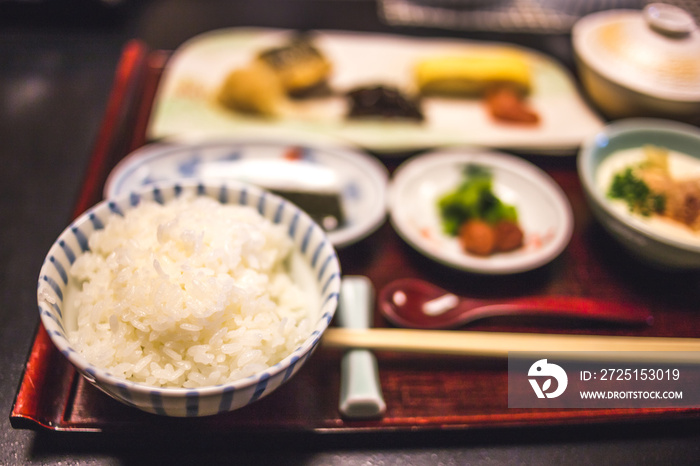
(187, 294)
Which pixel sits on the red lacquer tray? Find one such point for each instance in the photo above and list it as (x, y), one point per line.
(422, 392)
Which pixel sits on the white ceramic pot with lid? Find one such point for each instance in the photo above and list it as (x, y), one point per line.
(641, 62)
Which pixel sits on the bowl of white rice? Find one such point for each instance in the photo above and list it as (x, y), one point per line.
(189, 299)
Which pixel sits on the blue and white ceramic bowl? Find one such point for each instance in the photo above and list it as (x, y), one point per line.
(309, 239)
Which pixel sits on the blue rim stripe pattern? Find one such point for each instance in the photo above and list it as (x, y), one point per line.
(192, 403)
(330, 297)
(317, 252)
(226, 400)
(328, 260)
(223, 195)
(291, 368)
(134, 199)
(60, 269)
(157, 402)
(124, 391)
(59, 313)
(58, 289)
(261, 204)
(115, 209)
(70, 255)
(260, 387)
(309, 238)
(96, 222)
(293, 225)
(158, 196)
(334, 276)
(278, 213)
(81, 238)
(56, 320)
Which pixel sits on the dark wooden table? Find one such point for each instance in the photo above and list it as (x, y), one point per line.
(58, 61)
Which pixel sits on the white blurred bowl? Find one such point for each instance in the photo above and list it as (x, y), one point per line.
(650, 244)
(644, 63)
(309, 239)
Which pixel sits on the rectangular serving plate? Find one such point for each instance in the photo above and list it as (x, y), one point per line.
(185, 107)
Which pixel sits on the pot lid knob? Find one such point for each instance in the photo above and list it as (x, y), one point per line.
(669, 20)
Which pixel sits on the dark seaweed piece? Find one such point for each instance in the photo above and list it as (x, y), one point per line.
(324, 208)
(383, 101)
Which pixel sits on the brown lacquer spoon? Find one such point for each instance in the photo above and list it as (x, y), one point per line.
(415, 303)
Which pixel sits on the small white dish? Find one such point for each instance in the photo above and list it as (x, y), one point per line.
(360, 180)
(544, 212)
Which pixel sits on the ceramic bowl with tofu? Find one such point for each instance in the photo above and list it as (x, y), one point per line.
(646, 230)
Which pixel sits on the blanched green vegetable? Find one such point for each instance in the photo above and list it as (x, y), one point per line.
(634, 191)
(473, 199)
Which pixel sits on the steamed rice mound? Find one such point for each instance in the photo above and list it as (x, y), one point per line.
(187, 294)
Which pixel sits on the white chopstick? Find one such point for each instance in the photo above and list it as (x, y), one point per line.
(498, 344)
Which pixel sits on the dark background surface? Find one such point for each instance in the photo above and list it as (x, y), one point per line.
(57, 63)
